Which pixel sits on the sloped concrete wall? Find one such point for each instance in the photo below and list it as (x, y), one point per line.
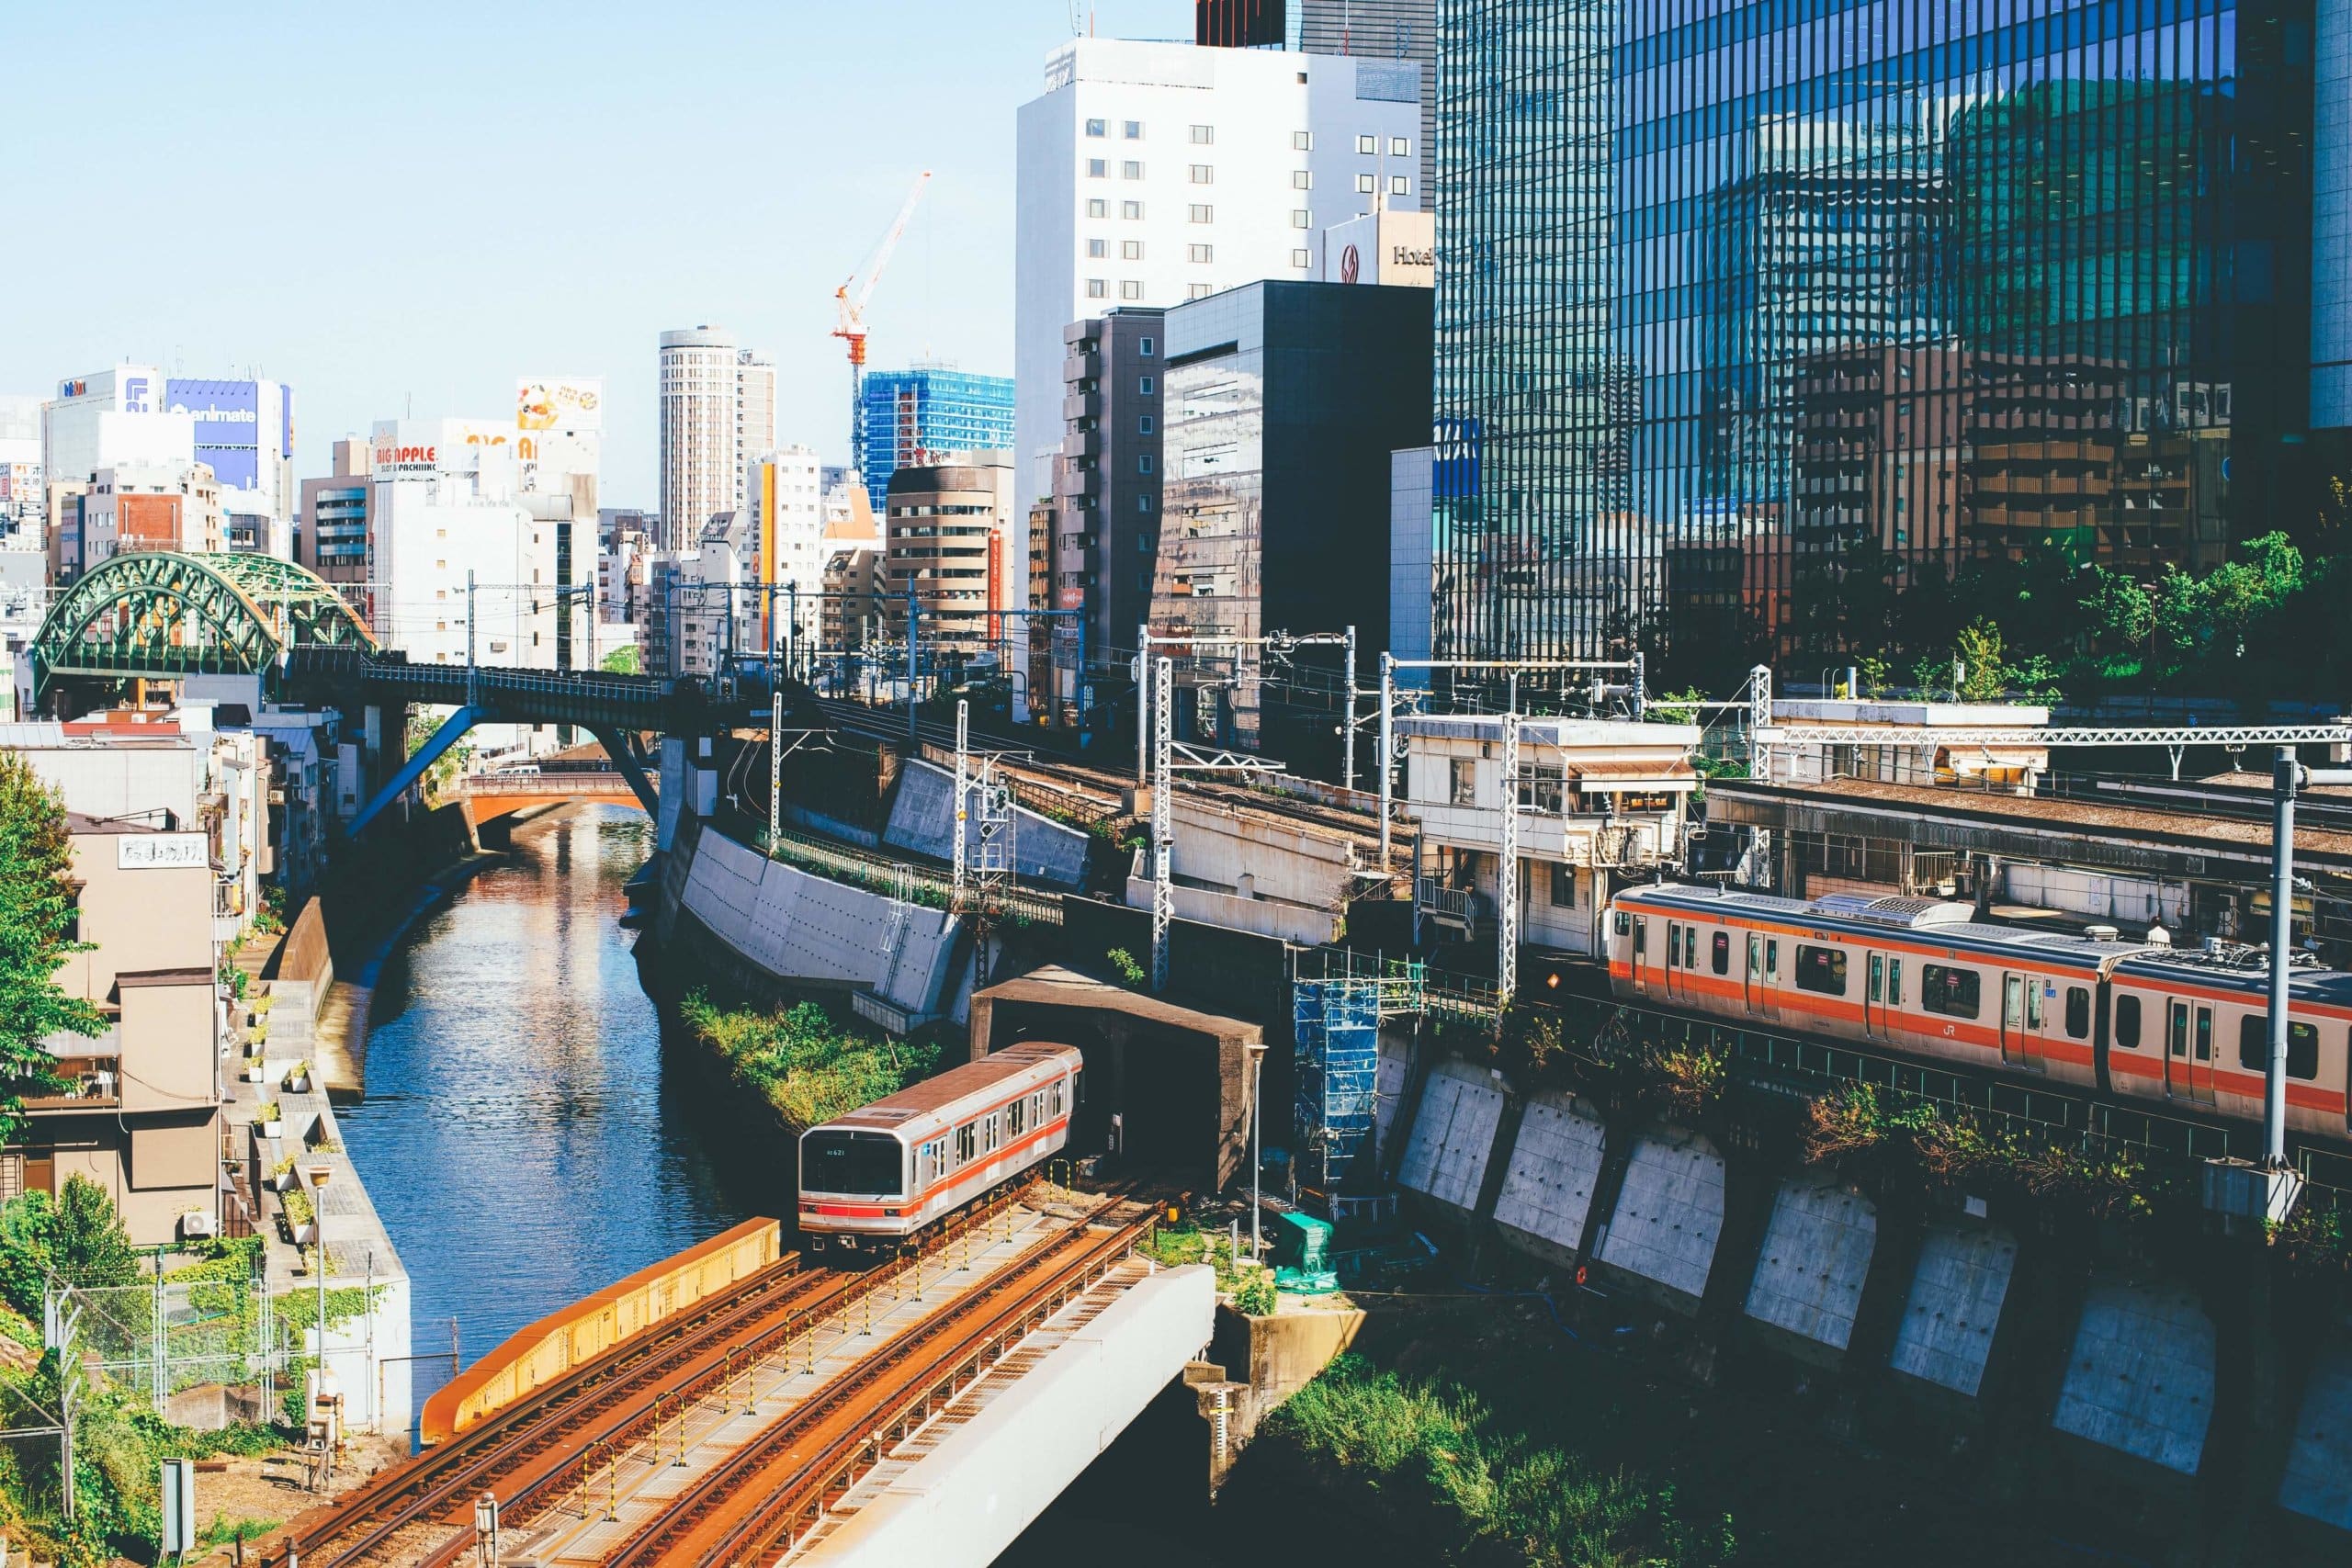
(1670, 1212)
(1547, 1191)
(1394, 1072)
(1954, 1306)
(2318, 1482)
(1299, 924)
(922, 820)
(2140, 1380)
(800, 927)
(1453, 1132)
(1816, 1255)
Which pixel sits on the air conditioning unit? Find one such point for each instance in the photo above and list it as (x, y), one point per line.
(196, 1224)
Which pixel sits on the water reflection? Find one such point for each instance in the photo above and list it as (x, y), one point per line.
(524, 1136)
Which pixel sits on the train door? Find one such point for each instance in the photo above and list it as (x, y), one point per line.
(2188, 1052)
(1874, 998)
(1763, 975)
(1677, 961)
(2022, 1021)
(1640, 951)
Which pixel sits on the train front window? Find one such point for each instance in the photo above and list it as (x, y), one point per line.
(865, 1163)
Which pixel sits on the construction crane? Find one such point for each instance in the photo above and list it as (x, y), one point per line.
(850, 326)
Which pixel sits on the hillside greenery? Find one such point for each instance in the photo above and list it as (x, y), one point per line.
(804, 1063)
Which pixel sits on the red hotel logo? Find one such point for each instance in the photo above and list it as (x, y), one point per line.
(1348, 264)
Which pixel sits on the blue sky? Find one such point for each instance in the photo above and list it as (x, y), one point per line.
(393, 205)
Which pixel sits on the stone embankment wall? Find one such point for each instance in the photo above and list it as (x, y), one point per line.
(2091, 1369)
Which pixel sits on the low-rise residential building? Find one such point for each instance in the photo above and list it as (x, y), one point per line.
(1599, 803)
(138, 1108)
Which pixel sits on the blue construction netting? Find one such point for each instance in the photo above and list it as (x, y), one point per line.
(1336, 1027)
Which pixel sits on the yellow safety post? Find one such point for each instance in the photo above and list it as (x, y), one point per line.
(751, 1385)
(727, 1381)
(678, 1436)
(866, 1300)
(612, 1485)
(587, 1475)
(918, 1295)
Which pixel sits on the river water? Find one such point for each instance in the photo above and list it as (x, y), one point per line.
(526, 1137)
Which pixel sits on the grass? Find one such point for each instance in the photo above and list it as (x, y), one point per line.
(1435, 1462)
(809, 1068)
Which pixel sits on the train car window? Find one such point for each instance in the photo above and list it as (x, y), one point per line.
(1955, 993)
(1055, 1098)
(2032, 1002)
(2254, 1046)
(847, 1161)
(1772, 955)
(2127, 1023)
(1723, 953)
(2078, 1011)
(992, 1131)
(1016, 1116)
(1624, 924)
(1894, 982)
(1820, 969)
(967, 1142)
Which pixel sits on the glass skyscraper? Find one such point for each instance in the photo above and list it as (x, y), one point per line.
(1739, 299)
(913, 417)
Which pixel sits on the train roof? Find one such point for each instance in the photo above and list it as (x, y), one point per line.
(945, 1090)
(1942, 921)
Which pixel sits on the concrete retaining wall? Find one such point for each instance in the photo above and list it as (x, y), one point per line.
(1445, 1156)
(922, 821)
(1554, 1167)
(2140, 1379)
(1816, 1255)
(1954, 1306)
(2318, 1484)
(1670, 1212)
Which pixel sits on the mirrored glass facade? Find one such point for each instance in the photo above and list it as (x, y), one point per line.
(1737, 302)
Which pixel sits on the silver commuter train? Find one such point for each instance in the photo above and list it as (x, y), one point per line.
(2137, 1019)
(876, 1177)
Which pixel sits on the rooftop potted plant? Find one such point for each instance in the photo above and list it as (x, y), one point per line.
(267, 1118)
(298, 1080)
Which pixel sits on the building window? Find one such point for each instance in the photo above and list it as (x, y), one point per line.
(1097, 168)
(1203, 135)
(1131, 250)
(1131, 170)
(1461, 780)
(1202, 252)
(1096, 127)
(1302, 180)
(1366, 185)
(1301, 140)
(1298, 218)
(1095, 248)
(1147, 348)
(1143, 385)
(1201, 174)
(1367, 145)
(1202, 214)
(1398, 184)
(1131, 209)
(1143, 503)
(1198, 290)
(1133, 130)
(1129, 289)
(1400, 148)
(1143, 424)
(1097, 208)
(1564, 886)
(1096, 288)
(1300, 258)
(1145, 462)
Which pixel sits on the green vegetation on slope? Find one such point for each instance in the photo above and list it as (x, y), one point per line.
(801, 1062)
(1431, 1458)
(36, 912)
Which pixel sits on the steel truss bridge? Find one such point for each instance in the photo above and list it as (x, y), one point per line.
(164, 616)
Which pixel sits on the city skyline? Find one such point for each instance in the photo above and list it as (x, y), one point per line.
(546, 266)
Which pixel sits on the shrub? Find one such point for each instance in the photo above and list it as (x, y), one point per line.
(807, 1067)
(1256, 1294)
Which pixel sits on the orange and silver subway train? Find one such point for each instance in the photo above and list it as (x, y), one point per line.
(874, 1179)
(2140, 1019)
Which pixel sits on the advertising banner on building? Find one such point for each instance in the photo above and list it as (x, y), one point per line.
(228, 426)
(147, 852)
(567, 402)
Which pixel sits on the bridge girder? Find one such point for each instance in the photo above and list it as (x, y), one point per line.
(164, 615)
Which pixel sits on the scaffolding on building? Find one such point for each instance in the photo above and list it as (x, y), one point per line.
(1335, 1027)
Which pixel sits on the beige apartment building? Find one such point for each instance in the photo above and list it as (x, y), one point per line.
(138, 1110)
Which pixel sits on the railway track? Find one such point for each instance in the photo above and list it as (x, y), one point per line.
(748, 1507)
(421, 1511)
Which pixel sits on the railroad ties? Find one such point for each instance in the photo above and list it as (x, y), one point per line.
(752, 1425)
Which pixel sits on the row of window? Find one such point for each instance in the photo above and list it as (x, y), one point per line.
(1132, 250)
(1132, 288)
(1205, 136)
(1953, 992)
(985, 1134)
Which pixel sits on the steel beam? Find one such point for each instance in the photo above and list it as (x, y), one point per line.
(441, 739)
(617, 746)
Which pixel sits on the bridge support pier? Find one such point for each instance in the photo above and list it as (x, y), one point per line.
(618, 746)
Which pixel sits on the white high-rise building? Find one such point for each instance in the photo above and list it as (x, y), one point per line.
(718, 416)
(787, 519)
(449, 503)
(1150, 174)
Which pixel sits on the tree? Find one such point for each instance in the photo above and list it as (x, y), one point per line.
(622, 660)
(36, 920)
(76, 1236)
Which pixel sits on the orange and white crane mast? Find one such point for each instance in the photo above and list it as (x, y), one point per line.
(849, 301)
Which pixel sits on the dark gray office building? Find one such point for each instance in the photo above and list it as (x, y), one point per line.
(1283, 401)
(1107, 481)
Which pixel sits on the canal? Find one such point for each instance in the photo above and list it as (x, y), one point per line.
(526, 1136)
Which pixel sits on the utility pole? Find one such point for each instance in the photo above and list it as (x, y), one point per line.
(1143, 705)
(775, 766)
(2287, 777)
(473, 672)
(914, 618)
(1163, 888)
(1506, 885)
(963, 753)
(1388, 738)
(1348, 765)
